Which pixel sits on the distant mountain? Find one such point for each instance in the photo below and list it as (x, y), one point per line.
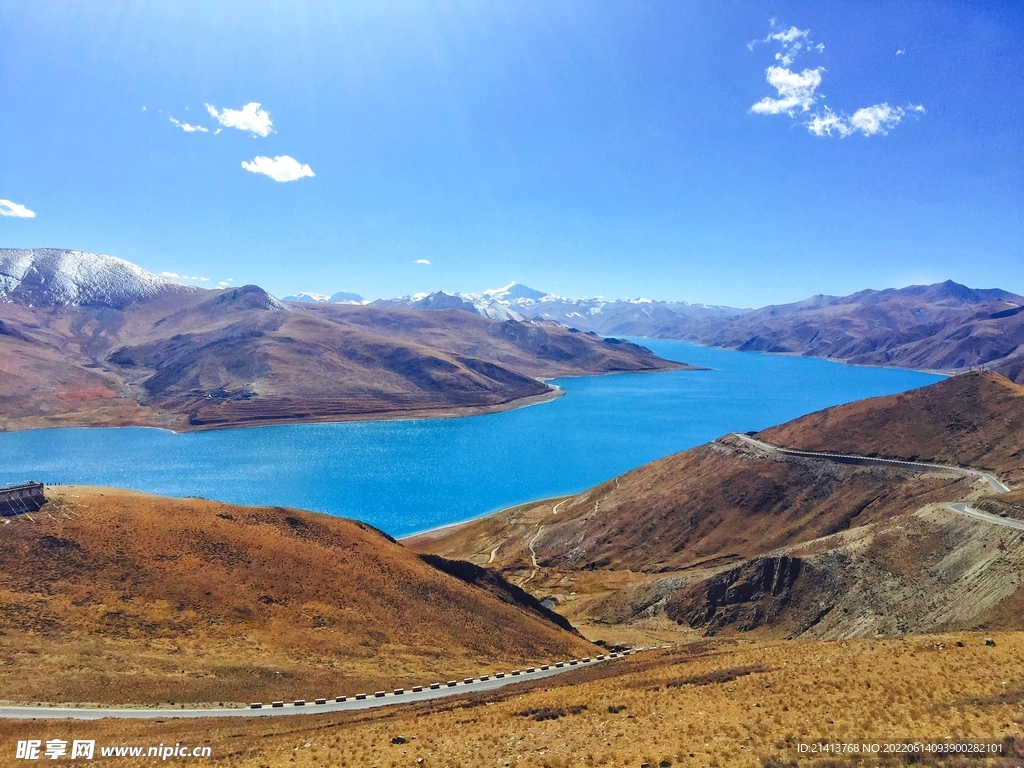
(309, 298)
(474, 303)
(319, 298)
(93, 340)
(623, 317)
(514, 291)
(946, 326)
(53, 277)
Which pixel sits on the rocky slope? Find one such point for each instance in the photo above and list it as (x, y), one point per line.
(122, 346)
(125, 597)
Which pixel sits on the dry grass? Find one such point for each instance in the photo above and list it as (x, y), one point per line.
(122, 597)
(714, 703)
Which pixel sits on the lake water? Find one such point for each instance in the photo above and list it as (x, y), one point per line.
(405, 476)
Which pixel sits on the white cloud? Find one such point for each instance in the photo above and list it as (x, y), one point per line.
(189, 128)
(870, 121)
(827, 123)
(792, 40)
(421, 261)
(249, 118)
(281, 168)
(9, 208)
(795, 91)
(901, 51)
(789, 35)
(880, 118)
(176, 276)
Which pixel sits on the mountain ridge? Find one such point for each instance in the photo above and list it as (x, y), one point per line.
(130, 348)
(54, 277)
(945, 327)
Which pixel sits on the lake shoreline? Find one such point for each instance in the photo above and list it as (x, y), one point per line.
(406, 476)
(178, 424)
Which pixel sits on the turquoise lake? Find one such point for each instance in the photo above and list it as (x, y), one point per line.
(406, 476)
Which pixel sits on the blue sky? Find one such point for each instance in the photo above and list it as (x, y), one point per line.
(607, 148)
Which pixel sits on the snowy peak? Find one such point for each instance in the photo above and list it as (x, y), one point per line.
(307, 297)
(52, 277)
(474, 303)
(514, 291)
(342, 297)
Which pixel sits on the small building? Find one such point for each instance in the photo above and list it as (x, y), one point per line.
(18, 499)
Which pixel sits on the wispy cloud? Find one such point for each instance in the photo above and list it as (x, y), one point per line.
(421, 261)
(793, 42)
(10, 208)
(797, 92)
(189, 128)
(869, 121)
(193, 278)
(249, 118)
(280, 168)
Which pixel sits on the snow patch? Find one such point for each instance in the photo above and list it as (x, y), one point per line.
(49, 277)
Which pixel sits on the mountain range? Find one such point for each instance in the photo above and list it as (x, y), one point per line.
(945, 327)
(87, 339)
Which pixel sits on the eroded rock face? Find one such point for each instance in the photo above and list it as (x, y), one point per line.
(745, 597)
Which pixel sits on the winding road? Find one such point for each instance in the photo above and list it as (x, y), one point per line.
(367, 701)
(962, 508)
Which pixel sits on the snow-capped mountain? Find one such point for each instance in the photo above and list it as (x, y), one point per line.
(53, 277)
(513, 292)
(515, 301)
(637, 317)
(478, 304)
(342, 297)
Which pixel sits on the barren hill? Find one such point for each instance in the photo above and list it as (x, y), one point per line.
(973, 420)
(145, 351)
(728, 535)
(114, 596)
(946, 326)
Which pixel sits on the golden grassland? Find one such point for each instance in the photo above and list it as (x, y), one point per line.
(709, 703)
(125, 598)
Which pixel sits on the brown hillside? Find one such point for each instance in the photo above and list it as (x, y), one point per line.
(716, 503)
(202, 359)
(728, 537)
(972, 420)
(120, 597)
(945, 326)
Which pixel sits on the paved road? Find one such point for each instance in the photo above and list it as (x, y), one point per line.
(848, 458)
(290, 708)
(966, 509)
(921, 466)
